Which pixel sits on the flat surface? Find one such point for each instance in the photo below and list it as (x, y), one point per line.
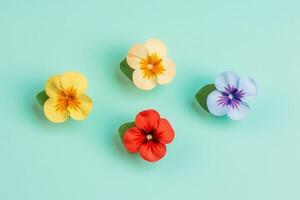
(210, 159)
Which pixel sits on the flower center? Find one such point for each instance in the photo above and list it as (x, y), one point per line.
(67, 99)
(152, 66)
(149, 137)
(231, 97)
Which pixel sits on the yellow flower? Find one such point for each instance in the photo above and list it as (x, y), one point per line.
(66, 98)
(151, 64)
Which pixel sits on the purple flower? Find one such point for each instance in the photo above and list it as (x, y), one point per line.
(232, 96)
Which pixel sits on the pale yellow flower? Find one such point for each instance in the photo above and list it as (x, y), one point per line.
(151, 64)
(66, 98)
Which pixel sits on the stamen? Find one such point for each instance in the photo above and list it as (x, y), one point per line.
(149, 137)
(150, 66)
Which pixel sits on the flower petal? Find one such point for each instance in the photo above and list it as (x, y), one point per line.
(226, 79)
(164, 132)
(132, 140)
(169, 73)
(214, 106)
(53, 114)
(152, 151)
(53, 86)
(156, 46)
(75, 80)
(147, 120)
(240, 113)
(135, 55)
(248, 85)
(141, 82)
(84, 108)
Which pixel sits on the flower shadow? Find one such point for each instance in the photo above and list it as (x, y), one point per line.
(209, 118)
(109, 61)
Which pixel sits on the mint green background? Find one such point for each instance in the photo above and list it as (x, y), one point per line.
(210, 159)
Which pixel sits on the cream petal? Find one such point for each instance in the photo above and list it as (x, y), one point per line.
(135, 55)
(169, 73)
(53, 114)
(53, 86)
(156, 46)
(143, 83)
(84, 108)
(75, 80)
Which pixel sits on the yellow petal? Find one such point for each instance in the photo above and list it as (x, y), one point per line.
(169, 73)
(84, 108)
(135, 55)
(156, 46)
(75, 80)
(54, 115)
(53, 86)
(143, 83)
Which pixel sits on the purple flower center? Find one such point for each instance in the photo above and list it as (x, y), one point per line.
(231, 97)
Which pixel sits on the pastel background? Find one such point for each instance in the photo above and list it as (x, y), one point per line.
(210, 159)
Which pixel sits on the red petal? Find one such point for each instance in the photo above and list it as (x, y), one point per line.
(152, 151)
(132, 140)
(164, 133)
(147, 120)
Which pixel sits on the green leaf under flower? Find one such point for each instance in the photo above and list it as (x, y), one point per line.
(42, 97)
(126, 69)
(202, 95)
(123, 128)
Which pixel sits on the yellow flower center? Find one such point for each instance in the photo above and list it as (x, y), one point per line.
(152, 66)
(67, 98)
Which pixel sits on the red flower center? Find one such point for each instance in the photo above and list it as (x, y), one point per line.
(150, 135)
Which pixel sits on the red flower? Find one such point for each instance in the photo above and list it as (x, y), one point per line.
(149, 136)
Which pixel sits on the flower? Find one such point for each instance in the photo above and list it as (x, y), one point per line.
(232, 96)
(66, 98)
(149, 136)
(151, 64)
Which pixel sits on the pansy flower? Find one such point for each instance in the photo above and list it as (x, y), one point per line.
(66, 97)
(151, 64)
(149, 136)
(232, 96)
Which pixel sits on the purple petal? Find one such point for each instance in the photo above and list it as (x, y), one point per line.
(239, 112)
(248, 86)
(216, 104)
(227, 80)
